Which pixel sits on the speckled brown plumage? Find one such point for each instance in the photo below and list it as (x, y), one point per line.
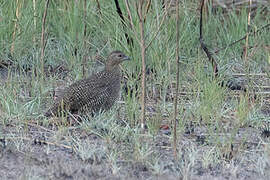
(97, 92)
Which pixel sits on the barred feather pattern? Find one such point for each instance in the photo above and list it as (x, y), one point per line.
(98, 92)
(264, 127)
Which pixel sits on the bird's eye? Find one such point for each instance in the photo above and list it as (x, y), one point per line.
(120, 55)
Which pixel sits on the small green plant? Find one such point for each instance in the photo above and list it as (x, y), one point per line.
(154, 122)
(242, 110)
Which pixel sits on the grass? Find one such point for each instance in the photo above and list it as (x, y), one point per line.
(218, 129)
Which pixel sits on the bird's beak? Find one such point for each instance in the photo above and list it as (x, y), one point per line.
(126, 58)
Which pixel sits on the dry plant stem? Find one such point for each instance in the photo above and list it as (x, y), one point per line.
(245, 53)
(98, 6)
(16, 25)
(203, 45)
(84, 40)
(119, 12)
(246, 44)
(244, 37)
(41, 142)
(142, 44)
(35, 20)
(131, 20)
(43, 42)
(177, 82)
(147, 9)
(156, 33)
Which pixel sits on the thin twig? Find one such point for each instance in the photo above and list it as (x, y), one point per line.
(35, 20)
(119, 12)
(177, 82)
(147, 9)
(15, 26)
(40, 141)
(37, 126)
(131, 20)
(158, 30)
(98, 6)
(244, 37)
(143, 49)
(248, 27)
(84, 40)
(245, 52)
(203, 45)
(43, 42)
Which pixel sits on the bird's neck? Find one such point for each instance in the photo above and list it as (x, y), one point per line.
(113, 69)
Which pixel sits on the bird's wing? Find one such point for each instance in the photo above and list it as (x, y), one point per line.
(92, 90)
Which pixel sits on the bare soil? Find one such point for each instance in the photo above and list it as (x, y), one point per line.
(38, 158)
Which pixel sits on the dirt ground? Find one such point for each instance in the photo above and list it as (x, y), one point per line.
(39, 160)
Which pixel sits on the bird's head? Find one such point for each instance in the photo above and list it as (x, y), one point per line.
(114, 59)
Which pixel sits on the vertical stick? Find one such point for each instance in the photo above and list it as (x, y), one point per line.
(35, 20)
(147, 9)
(84, 40)
(248, 29)
(245, 53)
(177, 81)
(119, 12)
(43, 43)
(15, 26)
(142, 44)
(98, 6)
(203, 45)
(131, 25)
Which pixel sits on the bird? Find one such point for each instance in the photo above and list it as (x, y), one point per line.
(96, 93)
